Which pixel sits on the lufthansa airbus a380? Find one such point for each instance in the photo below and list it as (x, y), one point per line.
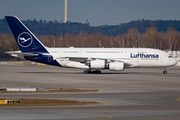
(91, 59)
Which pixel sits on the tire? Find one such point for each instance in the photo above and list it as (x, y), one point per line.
(165, 72)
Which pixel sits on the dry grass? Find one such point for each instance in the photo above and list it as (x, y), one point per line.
(51, 90)
(71, 90)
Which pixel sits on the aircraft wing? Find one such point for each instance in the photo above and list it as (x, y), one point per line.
(19, 54)
(84, 59)
(108, 60)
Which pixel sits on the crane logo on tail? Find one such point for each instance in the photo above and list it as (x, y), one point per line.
(25, 39)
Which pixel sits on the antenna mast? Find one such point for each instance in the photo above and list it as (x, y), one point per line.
(65, 11)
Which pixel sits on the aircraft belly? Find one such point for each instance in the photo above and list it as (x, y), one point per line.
(72, 64)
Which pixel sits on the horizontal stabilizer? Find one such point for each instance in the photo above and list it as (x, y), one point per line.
(19, 54)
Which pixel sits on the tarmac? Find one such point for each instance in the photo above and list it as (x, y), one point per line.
(132, 94)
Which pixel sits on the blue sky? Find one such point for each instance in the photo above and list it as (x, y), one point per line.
(98, 12)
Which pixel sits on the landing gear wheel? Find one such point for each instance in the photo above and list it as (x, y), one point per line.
(88, 71)
(165, 72)
(96, 71)
(85, 72)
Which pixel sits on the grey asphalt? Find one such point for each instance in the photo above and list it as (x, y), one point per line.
(133, 94)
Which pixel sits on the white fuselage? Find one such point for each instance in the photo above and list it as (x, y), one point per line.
(132, 57)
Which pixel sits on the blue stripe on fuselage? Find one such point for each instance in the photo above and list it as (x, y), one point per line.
(46, 59)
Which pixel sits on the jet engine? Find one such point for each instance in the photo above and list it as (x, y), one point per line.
(97, 64)
(116, 66)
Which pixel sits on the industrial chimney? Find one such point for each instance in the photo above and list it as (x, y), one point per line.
(65, 11)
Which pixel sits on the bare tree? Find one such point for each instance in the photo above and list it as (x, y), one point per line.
(133, 37)
(172, 38)
(150, 38)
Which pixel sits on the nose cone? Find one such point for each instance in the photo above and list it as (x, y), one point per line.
(174, 62)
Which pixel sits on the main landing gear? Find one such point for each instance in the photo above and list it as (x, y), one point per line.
(89, 71)
(165, 71)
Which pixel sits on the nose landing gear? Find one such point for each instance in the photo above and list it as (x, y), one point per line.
(165, 71)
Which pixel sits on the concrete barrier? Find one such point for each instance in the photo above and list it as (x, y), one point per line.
(21, 89)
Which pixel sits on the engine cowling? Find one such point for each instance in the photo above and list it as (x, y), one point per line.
(116, 66)
(97, 64)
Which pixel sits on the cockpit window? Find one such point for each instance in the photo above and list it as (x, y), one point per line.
(170, 56)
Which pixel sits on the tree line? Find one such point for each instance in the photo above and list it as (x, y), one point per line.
(151, 38)
(42, 27)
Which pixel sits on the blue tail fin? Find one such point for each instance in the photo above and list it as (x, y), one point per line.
(25, 39)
